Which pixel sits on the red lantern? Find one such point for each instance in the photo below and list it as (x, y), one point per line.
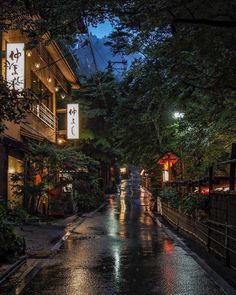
(168, 158)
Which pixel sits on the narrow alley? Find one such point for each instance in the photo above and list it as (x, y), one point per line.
(120, 250)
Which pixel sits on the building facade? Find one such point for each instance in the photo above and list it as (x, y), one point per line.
(46, 71)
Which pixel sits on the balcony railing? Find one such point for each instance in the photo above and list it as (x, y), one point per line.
(45, 115)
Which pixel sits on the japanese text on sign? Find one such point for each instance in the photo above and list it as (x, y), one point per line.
(15, 65)
(72, 121)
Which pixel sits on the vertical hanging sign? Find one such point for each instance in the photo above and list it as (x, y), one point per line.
(15, 65)
(72, 121)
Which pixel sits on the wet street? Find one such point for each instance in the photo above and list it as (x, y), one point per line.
(120, 250)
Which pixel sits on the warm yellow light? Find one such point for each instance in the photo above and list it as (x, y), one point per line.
(11, 171)
(37, 65)
(60, 141)
(49, 79)
(56, 88)
(165, 176)
(123, 170)
(28, 53)
(63, 95)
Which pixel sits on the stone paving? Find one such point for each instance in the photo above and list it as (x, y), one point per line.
(40, 238)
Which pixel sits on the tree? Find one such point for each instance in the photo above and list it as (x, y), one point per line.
(13, 104)
(98, 98)
(41, 22)
(45, 163)
(44, 21)
(187, 65)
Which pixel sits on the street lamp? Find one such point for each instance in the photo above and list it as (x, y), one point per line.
(37, 65)
(60, 141)
(178, 115)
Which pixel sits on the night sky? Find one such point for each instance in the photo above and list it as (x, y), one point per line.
(101, 30)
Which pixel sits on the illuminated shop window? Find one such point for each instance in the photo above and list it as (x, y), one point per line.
(14, 166)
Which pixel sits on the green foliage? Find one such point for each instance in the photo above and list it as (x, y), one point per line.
(171, 197)
(18, 215)
(13, 104)
(189, 203)
(2, 215)
(48, 160)
(187, 63)
(60, 20)
(194, 201)
(84, 161)
(187, 66)
(88, 202)
(98, 99)
(88, 192)
(9, 243)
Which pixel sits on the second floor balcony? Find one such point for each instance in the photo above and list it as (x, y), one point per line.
(45, 115)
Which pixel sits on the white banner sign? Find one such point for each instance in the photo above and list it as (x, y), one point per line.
(15, 65)
(73, 121)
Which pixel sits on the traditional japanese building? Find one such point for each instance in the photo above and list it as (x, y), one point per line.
(46, 70)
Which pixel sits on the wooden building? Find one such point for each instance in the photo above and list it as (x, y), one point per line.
(46, 71)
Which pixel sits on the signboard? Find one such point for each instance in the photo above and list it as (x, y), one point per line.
(15, 65)
(72, 121)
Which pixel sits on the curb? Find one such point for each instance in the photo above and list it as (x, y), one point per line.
(58, 245)
(32, 271)
(28, 275)
(217, 279)
(12, 269)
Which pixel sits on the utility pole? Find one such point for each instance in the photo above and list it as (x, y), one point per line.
(97, 71)
(93, 55)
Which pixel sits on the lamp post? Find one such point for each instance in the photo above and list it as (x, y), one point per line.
(178, 115)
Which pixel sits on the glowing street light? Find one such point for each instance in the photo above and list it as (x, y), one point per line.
(178, 115)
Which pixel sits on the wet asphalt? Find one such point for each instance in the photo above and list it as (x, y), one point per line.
(120, 250)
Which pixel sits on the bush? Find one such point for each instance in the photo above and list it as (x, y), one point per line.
(192, 202)
(2, 215)
(171, 197)
(18, 215)
(9, 243)
(88, 202)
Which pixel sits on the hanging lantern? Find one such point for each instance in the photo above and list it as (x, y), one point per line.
(167, 161)
(168, 158)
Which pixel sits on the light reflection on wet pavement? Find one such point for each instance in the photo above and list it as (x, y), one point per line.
(120, 250)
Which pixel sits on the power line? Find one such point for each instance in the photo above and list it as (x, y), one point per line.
(53, 63)
(102, 59)
(96, 67)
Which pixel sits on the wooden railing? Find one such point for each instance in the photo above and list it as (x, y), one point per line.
(45, 115)
(217, 237)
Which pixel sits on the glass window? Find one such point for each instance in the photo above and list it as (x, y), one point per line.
(14, 166)
(41, 91)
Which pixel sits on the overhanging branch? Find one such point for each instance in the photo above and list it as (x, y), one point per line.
(203, 21)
